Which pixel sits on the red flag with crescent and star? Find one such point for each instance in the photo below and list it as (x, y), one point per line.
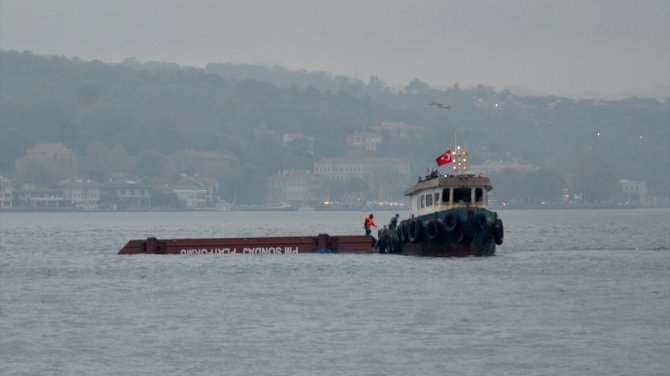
(444, 158)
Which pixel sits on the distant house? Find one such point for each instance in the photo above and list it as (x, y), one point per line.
(191, 193)
(39, 197)
(212, 187)
(367, 141)
(125, 193)
(634, 192)
(365, 168)
(81, 193)
(6, 194)
(47, 163)
(292, 186)
(387, 177)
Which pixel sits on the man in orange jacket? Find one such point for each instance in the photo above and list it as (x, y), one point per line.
(369, 222)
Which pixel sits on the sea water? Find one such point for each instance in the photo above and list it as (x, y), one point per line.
(575, 292)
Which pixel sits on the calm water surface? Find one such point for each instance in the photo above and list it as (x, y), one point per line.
(570, 293)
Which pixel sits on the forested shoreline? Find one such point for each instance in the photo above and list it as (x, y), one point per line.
(129, 117)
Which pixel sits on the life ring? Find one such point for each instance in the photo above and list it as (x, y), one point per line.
(432, 230)
(414, 230)
(498, 232)
(480, 221)
(450, 222)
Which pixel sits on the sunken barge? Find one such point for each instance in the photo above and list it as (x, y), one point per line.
(285, 245)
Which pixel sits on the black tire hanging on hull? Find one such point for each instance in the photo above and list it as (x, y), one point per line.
(498, 232)
(401, 232)
(450, 222)
(432, 230)
(414, 230)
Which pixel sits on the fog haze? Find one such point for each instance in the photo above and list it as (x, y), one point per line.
(570, 48)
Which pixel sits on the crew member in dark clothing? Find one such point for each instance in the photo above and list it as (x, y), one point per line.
(394, 222)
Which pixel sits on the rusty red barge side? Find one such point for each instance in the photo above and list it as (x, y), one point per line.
(322, 243)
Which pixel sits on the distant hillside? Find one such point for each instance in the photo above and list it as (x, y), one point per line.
(134, 113)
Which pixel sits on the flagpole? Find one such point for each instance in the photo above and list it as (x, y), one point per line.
(451, 153)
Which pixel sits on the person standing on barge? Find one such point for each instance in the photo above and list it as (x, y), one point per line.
(369, 222)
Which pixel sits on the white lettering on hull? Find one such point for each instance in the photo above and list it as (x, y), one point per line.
(278, 250)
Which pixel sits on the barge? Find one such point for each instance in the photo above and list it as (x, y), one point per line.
(285, 245)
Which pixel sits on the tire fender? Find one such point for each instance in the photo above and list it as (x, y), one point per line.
(450, 222)
(498, 232)
(414, 230)
(432, 229)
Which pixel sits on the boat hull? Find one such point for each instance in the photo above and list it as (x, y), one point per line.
(459, 232)
(448, 249)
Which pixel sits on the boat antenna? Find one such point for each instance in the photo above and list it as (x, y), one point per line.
(460, 162)
(455, 143)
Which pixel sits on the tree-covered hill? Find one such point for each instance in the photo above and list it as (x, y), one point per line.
(127, 117)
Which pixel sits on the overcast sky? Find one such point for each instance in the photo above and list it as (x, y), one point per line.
(562, 47)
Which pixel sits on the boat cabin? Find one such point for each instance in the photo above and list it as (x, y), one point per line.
(448, 192)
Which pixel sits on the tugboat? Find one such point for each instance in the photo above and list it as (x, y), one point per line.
(449, 217)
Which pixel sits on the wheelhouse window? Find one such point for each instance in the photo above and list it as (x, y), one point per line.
(445, 195)
(479, 195)
(423, 201)
(462, 195)
(436, 198)
(429, 200)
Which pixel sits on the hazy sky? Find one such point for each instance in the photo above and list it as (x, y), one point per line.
(562, 47)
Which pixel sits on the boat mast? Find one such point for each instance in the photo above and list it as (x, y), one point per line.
(458, 157)
(460, 162)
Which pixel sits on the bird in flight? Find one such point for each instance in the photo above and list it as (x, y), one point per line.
(441, 105)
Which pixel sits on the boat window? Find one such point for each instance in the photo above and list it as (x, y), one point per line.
(429, 200)
(445, 195)
(462, 195)
(479, 195)
(436, 198)
(423, 201)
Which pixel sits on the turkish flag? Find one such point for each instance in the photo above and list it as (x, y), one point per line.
(444, 158)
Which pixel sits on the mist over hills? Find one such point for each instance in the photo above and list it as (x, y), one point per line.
(130, 117)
